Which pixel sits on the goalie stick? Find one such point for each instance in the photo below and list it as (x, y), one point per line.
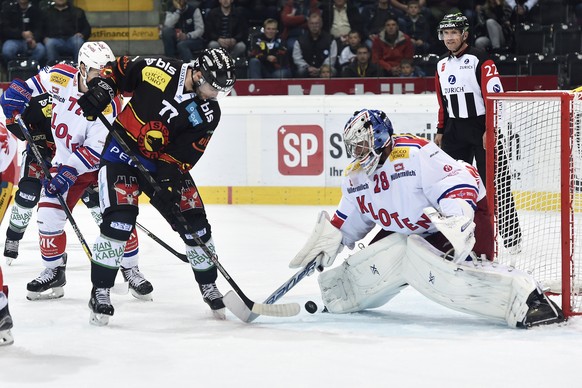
(245, 314)
(281, 310)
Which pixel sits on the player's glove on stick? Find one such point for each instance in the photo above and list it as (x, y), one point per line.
(324, 244)
(61, 181)
(169, 177)
(95, 100)
(14, 100)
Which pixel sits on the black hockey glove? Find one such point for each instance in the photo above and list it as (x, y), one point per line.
(101, 92)
(167, 200)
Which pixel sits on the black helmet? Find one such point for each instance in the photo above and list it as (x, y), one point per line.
(457, 21)
(217, 67)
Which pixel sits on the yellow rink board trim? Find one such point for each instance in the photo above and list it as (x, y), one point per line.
(124, 33)
(115, 5)
(255, 195)
(543, 201)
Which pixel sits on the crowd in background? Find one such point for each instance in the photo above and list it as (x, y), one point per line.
(285, 38)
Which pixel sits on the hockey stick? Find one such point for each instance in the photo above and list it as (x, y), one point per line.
(179, 255)
(47, 175)
(282, 310)
(238, 308)
(120, 289)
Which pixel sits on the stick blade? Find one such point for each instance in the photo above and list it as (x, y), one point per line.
(236, 306)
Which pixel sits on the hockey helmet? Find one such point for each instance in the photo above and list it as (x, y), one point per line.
(95, 55)
(366, 134)
(217, 68)
(456, 21)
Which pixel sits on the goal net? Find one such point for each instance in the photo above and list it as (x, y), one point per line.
(534, 181)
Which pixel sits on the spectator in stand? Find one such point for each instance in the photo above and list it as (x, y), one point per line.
(408, 70)
(22, 31)
(325, 71)
(294, 17)
(390, 47)
(348, 53)
(314, 49)
(339, 18)
(375, 18)
(521, 10)
(183, 30)
(416, 26)
(401, 6)
(493, 29)
(362, 66)
(226, 27)
(65, 30)
(268, 56)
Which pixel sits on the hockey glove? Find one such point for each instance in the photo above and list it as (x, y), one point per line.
(324, 244)
(169, 177)
(14, 99)
(95, 100)
(61, 182)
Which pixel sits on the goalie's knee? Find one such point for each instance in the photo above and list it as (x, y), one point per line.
(367, 279)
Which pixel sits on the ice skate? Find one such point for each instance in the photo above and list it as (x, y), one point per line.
(138, 285)
(101, 307)
(542, 311)
(213, 298)
(49, 284)
(5, 324)
(10, 250)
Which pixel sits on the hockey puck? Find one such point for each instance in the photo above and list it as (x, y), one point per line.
(311, 307)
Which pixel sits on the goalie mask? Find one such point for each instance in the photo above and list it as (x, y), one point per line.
(366, 134)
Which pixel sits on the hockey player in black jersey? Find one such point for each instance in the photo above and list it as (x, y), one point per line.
(167, 124)
(464, 77)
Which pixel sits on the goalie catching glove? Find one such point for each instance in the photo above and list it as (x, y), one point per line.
(455, 222)
(324, 245)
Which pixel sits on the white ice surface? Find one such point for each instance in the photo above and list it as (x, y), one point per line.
(174, 341)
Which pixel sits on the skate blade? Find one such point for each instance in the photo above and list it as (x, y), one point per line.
(9, 260)
(98, 319)
(146, 297)
(53, 293)
(6, 338)
(219, 314)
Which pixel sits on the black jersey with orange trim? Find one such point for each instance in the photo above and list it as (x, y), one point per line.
(162, 121)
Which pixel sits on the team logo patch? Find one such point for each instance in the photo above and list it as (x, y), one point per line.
(59, 79)
(399, 153)
(156, 77)
(126, 193)
(152, 139)
(189, 198)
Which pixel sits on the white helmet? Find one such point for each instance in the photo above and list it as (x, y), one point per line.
(95, 55)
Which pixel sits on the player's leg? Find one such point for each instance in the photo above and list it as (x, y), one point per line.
(119, 206)
(477, 287)
(367, 279)
(5, 318)
(139, 286)
(205, 272)
(25, 200)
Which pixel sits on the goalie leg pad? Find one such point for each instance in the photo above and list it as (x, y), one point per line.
(480, 288)
(367, 279)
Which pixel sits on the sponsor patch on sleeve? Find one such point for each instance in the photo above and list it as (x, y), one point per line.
(156, 77)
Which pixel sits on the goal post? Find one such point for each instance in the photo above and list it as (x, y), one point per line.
(534, 187)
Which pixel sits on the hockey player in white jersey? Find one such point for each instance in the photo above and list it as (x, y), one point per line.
(79, 144)
(435, 234)
(8, 148)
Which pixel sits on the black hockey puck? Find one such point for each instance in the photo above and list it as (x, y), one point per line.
(311, 307)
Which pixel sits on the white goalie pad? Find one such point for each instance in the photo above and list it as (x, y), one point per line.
(367, 279)
(480, 288)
